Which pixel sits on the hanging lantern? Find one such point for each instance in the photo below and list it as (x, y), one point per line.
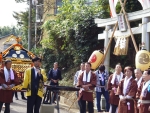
(95, 59)
(142, 60)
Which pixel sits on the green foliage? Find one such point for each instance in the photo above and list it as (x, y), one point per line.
(48, 59)
(73, 35)
(131, 6)
(37, 51)
(22, 19)
(6, 30)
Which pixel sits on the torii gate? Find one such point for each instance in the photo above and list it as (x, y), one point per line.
(143, 28)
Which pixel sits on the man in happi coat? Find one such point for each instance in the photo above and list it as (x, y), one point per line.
(139, 80)
(87, 82)
(34, 79)
(144, 92)
(8, 79)
(127, 92)
(113, 83)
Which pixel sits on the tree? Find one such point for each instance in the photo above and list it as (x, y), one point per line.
(22, 21)
(73, 35)
(6, 30)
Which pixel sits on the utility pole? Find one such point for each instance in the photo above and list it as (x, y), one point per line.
(29, 25)
(35, 24)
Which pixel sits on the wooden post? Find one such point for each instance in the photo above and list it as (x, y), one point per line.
(145, 35)
(128, 24)
(107, 58)
(116, 25)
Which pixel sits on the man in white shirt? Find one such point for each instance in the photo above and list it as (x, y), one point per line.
(79, 72)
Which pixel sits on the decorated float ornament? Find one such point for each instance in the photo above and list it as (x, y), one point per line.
(95, 59)
(142, 60)
(20, 57)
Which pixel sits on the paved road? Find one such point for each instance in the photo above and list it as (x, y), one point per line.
(19, 106)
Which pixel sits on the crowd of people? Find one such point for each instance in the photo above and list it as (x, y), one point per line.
(123, 92)
(34, 78)
(33, 82)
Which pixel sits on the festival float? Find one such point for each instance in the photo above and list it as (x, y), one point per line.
(20, 57)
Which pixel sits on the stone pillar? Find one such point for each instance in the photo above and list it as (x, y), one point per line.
(107, 59)
(145, 34)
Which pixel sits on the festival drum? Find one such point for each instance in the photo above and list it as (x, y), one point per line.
(95, 59)
(142, 60)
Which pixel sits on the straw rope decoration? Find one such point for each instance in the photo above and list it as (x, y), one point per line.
(121, 47)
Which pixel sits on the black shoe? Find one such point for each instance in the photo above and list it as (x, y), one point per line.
(46, 102)
(24, 98)
(17, 99)
(54, 102)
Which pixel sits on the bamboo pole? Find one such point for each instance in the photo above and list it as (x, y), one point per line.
(132, 36)
(74, 100)
(116, 25)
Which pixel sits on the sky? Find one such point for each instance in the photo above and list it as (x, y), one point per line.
(6, 10)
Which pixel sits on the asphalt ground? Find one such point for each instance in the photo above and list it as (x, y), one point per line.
(19, 106)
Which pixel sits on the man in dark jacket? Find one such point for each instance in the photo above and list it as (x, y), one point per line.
(54, 75)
